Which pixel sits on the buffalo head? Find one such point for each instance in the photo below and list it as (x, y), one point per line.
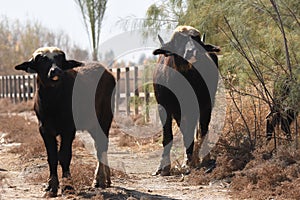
(49, 63)
(186, 47)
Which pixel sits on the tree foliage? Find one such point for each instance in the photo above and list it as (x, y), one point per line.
(256, 27)
(92, 13)
(18, 41)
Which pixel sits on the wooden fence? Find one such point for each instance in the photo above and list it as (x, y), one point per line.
(17, 87)
(132, 91)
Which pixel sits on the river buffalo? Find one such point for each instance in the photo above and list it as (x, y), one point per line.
(185, 82)
(69, 96)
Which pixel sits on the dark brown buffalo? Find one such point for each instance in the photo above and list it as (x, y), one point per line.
(60, 112)
(185, 83)
(282, 110)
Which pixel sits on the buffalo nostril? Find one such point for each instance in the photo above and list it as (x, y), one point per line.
(190, 56)
(54, 73)
(55, 78)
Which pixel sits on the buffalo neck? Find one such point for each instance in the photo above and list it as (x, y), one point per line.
(50, 97)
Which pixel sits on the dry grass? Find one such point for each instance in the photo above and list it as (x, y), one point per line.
(243, 158)
(6, 106)
(25, 132)
(264, 172)
(136, 143)
(277, 177)
(242, 155)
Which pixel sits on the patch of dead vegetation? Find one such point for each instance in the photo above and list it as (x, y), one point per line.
(24, 132)
(139, 144)
(244, 159)
(7, 106)
(277, 177)
(270, 168)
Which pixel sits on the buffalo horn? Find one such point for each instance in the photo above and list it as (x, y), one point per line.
(203, 38)
(161, 40)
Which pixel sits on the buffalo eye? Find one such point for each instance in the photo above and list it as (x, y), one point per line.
(40, 58)
(60, 59)
(196, 38)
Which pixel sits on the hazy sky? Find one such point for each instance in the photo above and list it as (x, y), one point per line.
(65, 15)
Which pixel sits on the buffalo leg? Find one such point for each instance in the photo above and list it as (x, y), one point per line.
(286, 121)
(51, 148)
(205, 117)
(187, 127)
(272, 121)
(165, 162)
(106, 169)
(101, 139)
(102, 172)
(65, 156)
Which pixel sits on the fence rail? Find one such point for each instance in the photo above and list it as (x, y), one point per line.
(132, 90)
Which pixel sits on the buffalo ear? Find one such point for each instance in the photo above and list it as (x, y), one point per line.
(26, 66)
(159, 51)
(203, 38)
(162, 51)
(212, 48)
(70, 64)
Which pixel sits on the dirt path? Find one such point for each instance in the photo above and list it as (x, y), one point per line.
(137, 183)
(14, 184)
(141, 184)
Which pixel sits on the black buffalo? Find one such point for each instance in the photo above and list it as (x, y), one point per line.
(185, 83)
(60, 112)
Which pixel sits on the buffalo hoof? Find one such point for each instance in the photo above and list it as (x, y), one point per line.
(186, 169)
(165, 171)
(67, 187)
(50, 194)
(269, 137)
(52, 188)
(210, 169)
(102, 185)
(108, 183)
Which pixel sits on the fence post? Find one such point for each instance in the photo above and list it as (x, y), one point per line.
(23, 88)
(127, 91)
(15, 89)
(10, 90)
(6, 87)
(28, 88)
(147, 100)
(19, 88)
(34, 84)
(118, 91)
(1, 87)
(136, 91)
